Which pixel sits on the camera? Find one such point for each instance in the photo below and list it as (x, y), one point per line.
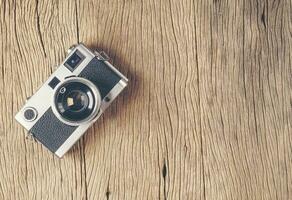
(72, 99)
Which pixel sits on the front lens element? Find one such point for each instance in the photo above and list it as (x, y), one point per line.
(75, 101)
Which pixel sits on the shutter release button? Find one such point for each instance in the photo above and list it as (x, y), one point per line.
(30, 114)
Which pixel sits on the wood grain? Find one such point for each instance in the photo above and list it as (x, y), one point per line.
(207, 114)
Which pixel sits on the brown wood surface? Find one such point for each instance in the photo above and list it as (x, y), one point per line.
(207, 114)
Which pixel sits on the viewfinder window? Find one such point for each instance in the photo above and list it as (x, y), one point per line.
(74, 60)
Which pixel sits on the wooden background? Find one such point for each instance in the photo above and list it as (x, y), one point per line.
(207, 114)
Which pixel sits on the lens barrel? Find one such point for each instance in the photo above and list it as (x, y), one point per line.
(76, 101)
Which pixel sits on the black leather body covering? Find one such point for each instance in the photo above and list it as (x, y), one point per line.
(50, 131)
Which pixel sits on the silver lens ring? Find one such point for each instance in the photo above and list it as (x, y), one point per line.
(87, 102)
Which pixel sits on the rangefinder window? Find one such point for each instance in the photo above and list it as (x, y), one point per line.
(74, 60)
(54, 82)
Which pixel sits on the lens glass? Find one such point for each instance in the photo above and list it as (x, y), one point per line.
(74, 101)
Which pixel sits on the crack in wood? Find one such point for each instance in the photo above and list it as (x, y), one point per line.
(107, 193)
(164, 174)
(15, 30)
(39, 27)
(263, 18)
(82, 152)
(77, 21)
(199, 102)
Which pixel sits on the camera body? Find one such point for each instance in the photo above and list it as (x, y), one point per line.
(72, 99)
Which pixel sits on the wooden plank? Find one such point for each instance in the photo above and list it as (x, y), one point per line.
(244, 65)
(147, 145)
(207, 114)
(268, 64)
(34, 37)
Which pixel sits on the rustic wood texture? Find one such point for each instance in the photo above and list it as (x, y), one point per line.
(207, 114)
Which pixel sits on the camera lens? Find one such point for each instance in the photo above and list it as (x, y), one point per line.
(76, 101)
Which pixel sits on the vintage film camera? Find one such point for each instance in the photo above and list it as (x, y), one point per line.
(72, 99)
